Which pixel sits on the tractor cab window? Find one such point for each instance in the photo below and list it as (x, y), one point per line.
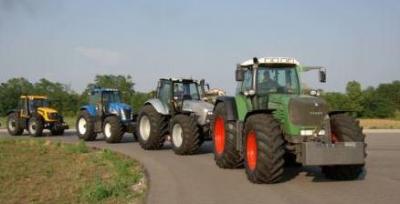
(247, 81)
(277, 80)
(36, 103)
(111, 97)
(164, 91)
(186, 91)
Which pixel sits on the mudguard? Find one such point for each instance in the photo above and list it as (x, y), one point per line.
(230, 106)
(91, 109)
(158, 105)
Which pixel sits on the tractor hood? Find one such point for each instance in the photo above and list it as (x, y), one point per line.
(201, 108)
(120, 109)
(307, 111)
(46, 110)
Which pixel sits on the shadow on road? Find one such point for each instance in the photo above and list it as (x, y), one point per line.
(291, 172)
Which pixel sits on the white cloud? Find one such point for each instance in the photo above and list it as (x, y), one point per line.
(100, 56)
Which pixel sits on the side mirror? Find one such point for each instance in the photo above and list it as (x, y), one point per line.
(322, 76)
(239, 75)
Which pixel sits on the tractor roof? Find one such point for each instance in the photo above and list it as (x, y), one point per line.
(104, 89)
(180, 79)
(271, 60)
(33, 97)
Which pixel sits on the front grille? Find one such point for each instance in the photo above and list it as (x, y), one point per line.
(307, 111)
(128, 113)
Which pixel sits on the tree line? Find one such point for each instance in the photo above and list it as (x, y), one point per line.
(62, 97)
(382, 101)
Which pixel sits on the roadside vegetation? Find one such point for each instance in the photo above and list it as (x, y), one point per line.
(40, 171)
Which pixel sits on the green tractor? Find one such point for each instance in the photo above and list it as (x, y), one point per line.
(271, 121)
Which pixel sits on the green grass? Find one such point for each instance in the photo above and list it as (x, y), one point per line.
(40, 171)
(3, 122)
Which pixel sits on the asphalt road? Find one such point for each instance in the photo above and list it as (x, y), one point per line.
(196, 179)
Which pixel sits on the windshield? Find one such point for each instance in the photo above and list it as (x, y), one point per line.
(277, 80)
(111, 97)
(34, 104)
(186, 91)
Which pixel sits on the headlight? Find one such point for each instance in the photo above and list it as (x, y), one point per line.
(311, 132)
(123, 116)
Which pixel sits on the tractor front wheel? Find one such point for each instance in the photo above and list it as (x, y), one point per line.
(224, 136)
(264, 149)
(185, 135)
(344, 129)
(112, 129)
(151, 128)
(56, 131)
(13, 125)
(35, 126)
(85, 126)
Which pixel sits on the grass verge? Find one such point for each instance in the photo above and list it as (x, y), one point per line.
(40, 171)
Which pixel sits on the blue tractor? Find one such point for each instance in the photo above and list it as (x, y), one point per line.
(105, 113)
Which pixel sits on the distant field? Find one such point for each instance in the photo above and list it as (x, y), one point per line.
(39, 171)
(380, 124)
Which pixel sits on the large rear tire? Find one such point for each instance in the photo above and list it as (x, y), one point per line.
(35, 126)
(224, 136)
(345, 129)
(185, 135)
(13, 125)
(264, 149)
(112, 129)
(151, 128)
(85, 126)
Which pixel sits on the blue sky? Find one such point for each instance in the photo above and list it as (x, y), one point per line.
(71, 41)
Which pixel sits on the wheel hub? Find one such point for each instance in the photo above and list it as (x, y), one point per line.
(107, 130)
(144, 127)
(219, 135)
(177, 137)
(251, 150)
(82, 126)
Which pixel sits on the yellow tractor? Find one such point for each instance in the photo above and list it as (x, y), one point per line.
(34, 114)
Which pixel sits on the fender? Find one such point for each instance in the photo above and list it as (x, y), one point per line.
(158, 105)
(91, 109)
(230, 106)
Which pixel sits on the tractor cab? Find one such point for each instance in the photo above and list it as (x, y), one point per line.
(30, 105)
(179, 94)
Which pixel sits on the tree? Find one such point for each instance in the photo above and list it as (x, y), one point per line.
(376, 106)
(10, 92)
(354, 97)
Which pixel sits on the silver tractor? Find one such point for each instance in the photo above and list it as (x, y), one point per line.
(177, 110)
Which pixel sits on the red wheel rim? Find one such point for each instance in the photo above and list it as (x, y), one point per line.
(251, 150)
(334, 138)
(219, 135)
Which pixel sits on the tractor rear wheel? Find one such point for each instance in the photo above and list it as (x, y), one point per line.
(151, 128)
(35, 126)
(345, 129)
(224, 136)
(85, 126)
(264, 149)
(112, 129)
(185, 135)
(13, 125)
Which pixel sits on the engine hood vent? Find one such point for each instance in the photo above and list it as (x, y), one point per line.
(307, 111)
